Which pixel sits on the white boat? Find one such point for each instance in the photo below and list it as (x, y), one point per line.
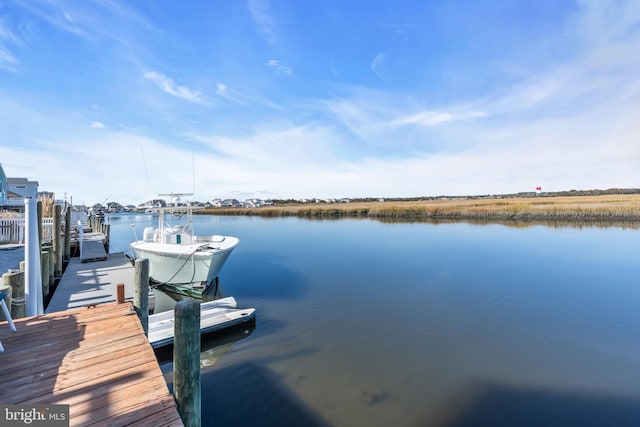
(177, 256)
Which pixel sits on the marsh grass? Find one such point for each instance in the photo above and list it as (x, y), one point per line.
(577, 208)
(47, 206)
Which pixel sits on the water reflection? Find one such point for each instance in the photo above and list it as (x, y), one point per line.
(515, 223)
(212, 346)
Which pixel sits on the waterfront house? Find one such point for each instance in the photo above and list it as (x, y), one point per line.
(23, 187)
(13, 191)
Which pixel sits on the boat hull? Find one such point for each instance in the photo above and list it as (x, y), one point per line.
(186, 264)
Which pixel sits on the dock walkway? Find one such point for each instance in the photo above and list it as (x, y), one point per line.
(84, 284)
(97, 360)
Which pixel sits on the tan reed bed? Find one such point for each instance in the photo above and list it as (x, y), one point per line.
(607, 207)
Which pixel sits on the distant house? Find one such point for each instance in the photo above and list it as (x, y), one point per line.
(232, 203)
(253, 203)
(23, 187)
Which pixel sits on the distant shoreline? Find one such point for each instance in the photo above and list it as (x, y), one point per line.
(617, 208)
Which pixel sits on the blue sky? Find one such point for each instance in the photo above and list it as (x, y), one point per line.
(291, 99)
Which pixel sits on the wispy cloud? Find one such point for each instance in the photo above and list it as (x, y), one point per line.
(262, 15)
(8, 61)
(227, 93)
(169, 86)
(97, 125)
(377, 63)
(112, 20)
(435, 118)
(6, 34)
(278, 68)
(237, 97)
(61, 15)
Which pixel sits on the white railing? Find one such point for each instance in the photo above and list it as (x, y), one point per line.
(12, 230)
(47, 229)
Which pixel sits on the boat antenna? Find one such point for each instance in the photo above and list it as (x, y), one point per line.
(193, 168)
(146, 171)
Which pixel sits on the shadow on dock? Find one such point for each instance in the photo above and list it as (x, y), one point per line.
(34, 355)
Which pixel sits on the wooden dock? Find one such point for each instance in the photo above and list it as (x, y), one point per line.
(97, 360)
(91, 353)
(84, 284)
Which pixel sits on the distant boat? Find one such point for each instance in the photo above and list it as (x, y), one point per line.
(177, 256)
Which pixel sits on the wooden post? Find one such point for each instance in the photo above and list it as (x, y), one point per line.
(44, 266)
(141, 293)
(67, 233)
(15, 279)
(39, 210)
(186, 361)
(48, 247)
(57, 241)
(120, 293)
(107, 234)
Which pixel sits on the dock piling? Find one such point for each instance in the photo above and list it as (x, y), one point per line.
(44, 267)
(67, 233)
(141, 292)
(15, 279)
(106, 230)
(186, 362)
(57, 241)
(120, 293)
(48, 247)
(33, 274)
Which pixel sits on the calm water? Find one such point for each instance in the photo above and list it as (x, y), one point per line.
(363, 323)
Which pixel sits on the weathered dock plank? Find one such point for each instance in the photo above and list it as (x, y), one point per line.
(94, 359)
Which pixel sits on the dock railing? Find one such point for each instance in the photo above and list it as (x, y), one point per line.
(12, 230)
